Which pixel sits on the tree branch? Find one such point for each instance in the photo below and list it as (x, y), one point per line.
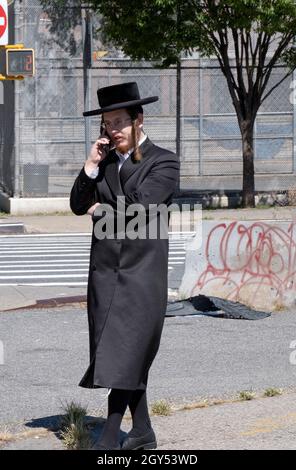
(268, 68)
(238, 59)
(276, 85)
(223, 59)
(262, 52)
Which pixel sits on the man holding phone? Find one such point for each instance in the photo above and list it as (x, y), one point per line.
(127, 283)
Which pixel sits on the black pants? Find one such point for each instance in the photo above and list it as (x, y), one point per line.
(118, 401)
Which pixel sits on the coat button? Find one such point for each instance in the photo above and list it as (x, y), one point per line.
(93, 267)
(115, 270)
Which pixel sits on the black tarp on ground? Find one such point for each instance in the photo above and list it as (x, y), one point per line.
(215, 307)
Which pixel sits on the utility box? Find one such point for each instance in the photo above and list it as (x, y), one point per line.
(35, 179)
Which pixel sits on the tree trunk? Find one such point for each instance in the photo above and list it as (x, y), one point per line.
(247, 131)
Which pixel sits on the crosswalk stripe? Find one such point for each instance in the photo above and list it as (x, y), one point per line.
(45, 256)
(61, 259)
(43, 271)
(43, 284)
(49, 264)
(45, 276)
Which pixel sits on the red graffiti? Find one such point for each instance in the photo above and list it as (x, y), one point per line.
(252, 256)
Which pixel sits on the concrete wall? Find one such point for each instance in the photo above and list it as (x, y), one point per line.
(31, 205)
(251, 262)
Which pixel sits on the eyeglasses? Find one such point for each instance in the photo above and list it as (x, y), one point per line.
(117, 124)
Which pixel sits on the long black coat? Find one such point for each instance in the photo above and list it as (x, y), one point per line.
(127, 282)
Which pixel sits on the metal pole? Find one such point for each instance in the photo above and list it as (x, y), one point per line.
(178, 99)
(294, 123)
(178, 118)
(87, 63)
(200, 121)
(17, 87)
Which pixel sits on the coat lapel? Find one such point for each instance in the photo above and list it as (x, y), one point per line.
(129, 167)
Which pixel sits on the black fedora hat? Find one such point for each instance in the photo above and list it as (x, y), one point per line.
(119, 96)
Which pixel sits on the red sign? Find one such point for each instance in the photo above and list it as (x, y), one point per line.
(3, 23)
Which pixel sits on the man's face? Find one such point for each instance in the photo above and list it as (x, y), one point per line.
(119, 128)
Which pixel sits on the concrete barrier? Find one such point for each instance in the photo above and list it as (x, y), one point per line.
(31, 205)
(252, 262)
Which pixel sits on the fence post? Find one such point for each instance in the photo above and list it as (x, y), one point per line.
(19, 21)
(87, 64)
(200, 117)
(178, 118)
(1, 353)
(294, 123)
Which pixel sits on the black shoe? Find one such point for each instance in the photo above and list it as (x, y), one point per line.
(148, 441)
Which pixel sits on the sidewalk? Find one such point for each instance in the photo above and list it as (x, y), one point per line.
(201, 361)
(260, 424)
(70, 223)
(23, 296)
(197, 356)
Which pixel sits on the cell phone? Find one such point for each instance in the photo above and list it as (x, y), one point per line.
(103, 132)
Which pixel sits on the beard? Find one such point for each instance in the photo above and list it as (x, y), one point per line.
(122, 147)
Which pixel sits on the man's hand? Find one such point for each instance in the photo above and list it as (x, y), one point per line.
(97, 154)
(92, 209)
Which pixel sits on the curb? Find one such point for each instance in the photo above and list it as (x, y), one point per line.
(72, 299)
(52, 302)
(11, 228)
(61, 301)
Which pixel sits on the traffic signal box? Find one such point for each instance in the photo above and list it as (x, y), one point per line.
(20, 62)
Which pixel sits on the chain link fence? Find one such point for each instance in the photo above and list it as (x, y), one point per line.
(42, 131)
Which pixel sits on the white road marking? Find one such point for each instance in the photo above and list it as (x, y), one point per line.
(24, 271)
(45, 276)
(42, 235)
(37, 250)
(48, 265)
(27, 258)
(44, 284)
(45, 256)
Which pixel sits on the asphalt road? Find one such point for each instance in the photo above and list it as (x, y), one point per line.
(46, 354)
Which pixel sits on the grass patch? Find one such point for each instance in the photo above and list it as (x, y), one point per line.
(74, 431)
(262, 206)
(246, 395)
(45, 214)
(279, 307)
(210, 208)
(291, 194)
(161, 408)
(272, 392)
(6, 436)
(194, 406)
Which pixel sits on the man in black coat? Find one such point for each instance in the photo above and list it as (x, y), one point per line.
(125, 174)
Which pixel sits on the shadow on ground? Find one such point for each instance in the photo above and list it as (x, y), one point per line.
(53, 424)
